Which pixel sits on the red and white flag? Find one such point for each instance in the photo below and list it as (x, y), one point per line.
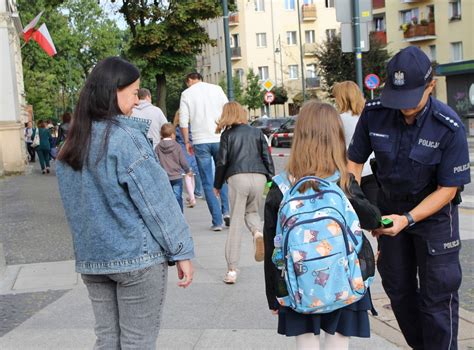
(42, 37)
(30, 28)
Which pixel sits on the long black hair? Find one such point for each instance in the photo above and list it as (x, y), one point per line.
(97, 102)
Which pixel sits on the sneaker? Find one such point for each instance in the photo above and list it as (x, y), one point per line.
(47, 170)
(216, 228)
(199, 195)
(258, 246)
(230, 277)
(227, 220)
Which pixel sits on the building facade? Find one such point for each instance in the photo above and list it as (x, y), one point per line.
(12, 94)
(270, 37)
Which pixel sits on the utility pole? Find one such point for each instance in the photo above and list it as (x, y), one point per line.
(228, 57)
(301, 51)
(357, 48)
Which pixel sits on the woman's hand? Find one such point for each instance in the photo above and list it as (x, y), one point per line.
(185, 272)
(274, 312)
(399, 223)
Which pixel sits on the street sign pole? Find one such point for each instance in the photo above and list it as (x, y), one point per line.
(230, 88)
(357, 48)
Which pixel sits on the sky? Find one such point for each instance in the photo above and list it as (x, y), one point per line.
(111, 9)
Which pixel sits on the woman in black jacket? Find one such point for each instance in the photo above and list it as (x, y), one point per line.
(245, 162)
(318, 150)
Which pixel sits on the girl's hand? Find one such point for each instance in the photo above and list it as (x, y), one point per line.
(217, 192)
(185, 272)
(274, 312)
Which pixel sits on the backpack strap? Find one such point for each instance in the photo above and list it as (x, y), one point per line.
(283, 183)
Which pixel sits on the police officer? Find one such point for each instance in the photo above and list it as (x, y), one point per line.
(422, 160)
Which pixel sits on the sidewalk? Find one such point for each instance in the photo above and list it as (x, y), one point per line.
(208, 315)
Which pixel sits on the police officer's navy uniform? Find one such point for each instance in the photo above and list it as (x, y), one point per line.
(412, 161)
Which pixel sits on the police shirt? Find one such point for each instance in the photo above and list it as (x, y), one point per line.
(411, 157)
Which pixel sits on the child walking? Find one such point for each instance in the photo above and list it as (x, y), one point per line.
(318, 150)
(172, 159)
(245, 163)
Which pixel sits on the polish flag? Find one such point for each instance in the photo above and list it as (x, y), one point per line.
(42, 37)
(30, 28)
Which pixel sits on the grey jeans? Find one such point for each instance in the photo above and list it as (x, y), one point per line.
(128, 307)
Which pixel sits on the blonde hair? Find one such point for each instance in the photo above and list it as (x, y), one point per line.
(167, 130)
(232, 113)
(318, 146)
(348, 97)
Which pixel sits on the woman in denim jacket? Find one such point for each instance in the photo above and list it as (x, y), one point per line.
(125, 221)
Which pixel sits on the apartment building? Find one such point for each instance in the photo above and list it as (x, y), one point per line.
(443, 29)
(265, 36)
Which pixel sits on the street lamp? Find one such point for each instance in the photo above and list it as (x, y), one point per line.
(278, 50)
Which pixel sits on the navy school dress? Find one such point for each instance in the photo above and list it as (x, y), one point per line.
(352, 320)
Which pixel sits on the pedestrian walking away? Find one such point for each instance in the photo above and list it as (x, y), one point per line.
(318, 149)
(63, 129)
(350, 103)
(245, 162)
(145, 110)
(172, 159)
(201, 106)
(125, 221)
(44, 148)
(29, 135)
(422, 162)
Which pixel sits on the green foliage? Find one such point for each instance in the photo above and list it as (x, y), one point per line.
(82, 36)
(236, 86)
(281, 95)
(336, 66)
(253, 92)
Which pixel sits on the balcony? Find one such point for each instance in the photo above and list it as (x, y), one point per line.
(309, 49)
(233, 19)
(378, 4)
(309, 12)
(236, 53)
(419, 32)
(380, 36)
(313, 83)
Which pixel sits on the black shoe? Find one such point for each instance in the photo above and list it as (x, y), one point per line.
(47, 170)
(227, 220)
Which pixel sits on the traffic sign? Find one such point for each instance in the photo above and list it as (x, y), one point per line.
(344, 11)
(269, 97)
(268, 84)
(372, 81)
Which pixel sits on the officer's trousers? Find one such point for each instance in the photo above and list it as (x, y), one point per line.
(421, 274)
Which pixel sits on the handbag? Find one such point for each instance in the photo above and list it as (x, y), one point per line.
(36, 139)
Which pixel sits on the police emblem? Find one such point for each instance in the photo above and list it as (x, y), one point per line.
(399, 78)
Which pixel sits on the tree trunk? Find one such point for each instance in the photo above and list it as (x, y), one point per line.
(161, 92)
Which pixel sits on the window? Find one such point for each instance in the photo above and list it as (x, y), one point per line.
(329, 3)
(311, 71)
(293, 71)
(409, 16)
(261, 39)
(432, 53)
(309, 36)
(308, 2)
(289, 4)
(260, 5)
(330, 34)
(454, 9)
(291, 38)
(234, 40)
(263, 72)
(456, 51)
(379, 24)
(239, 73)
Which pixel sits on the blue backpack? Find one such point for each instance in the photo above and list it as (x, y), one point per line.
(318, 237)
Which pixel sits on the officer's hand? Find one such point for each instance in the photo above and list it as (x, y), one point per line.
(399, 223)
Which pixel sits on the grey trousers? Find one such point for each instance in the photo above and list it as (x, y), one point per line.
(128, 307)
(245, 196)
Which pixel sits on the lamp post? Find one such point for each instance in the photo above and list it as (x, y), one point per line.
(230, 90)
(301, 51)
(278, 50)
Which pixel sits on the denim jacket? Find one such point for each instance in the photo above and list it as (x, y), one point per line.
(121, 209)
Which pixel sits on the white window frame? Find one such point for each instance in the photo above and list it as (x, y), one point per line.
(261, 39)
(263, 72)
(454, 9)
(330, 34)
(259, 5)
(293, 72)
(456, 56)
(290, 5)
(432, 52)
(311, 35)
(406, 16)
(291, 38)
(329, 3)
(311, 71)
(379, 24)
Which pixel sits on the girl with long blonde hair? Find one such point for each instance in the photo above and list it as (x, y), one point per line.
(245, 163)
(318, 150)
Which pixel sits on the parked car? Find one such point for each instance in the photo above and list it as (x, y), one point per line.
(284, 135)
(268, 125)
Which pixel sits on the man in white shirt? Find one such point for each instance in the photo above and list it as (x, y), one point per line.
(201, 106)
(145, 110)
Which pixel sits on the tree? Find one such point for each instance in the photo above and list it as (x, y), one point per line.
(236, 86)
(336, 66)
(253, 98)
(281, 95)
(167, 35)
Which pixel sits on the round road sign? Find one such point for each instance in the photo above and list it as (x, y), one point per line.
(269, 97)
(372, 81)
